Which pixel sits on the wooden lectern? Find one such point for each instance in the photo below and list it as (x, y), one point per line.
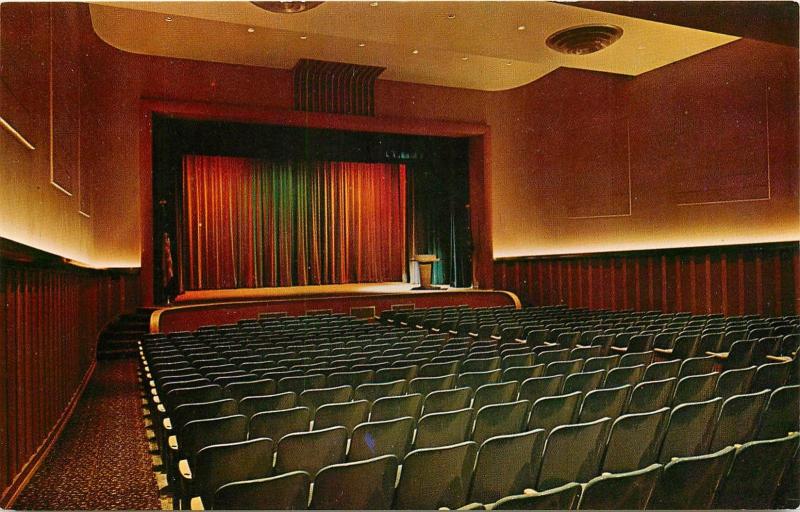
(426, 262)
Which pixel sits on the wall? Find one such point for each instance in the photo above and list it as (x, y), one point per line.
(698, 153)
(51, 316)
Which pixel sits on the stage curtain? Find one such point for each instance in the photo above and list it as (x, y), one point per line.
(254, 223)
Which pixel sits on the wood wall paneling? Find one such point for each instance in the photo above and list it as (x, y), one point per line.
(734, 280)
(49, 322)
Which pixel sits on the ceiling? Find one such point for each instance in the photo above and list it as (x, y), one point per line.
(475, 45)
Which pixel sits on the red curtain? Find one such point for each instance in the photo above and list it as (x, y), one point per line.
(251, 223)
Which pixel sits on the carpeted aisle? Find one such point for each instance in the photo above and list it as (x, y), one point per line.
(101, 460)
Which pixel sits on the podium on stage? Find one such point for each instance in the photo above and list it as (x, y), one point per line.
(426, 262)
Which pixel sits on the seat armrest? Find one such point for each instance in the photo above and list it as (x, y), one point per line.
(185, 470)
(172, 442)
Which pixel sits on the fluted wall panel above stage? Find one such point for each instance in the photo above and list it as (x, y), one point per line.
(736, 280)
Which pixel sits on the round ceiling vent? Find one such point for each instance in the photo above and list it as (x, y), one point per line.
(584, 39)
(287, 7)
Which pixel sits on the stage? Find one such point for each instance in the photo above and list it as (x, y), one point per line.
(196, 308)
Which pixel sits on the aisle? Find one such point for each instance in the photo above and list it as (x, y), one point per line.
(101, 460)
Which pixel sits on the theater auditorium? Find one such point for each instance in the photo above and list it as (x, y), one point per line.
(399, 255)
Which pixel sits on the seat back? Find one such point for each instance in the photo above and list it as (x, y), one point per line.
(564, 497)
(651, 395)
(584, 381)
(314, 398)
(600, 363)
(756, 472)
(734, 382)
(447, 400)
(500, 419)
(443, 428)
(634, 440)
(311, 451)
(475, 380)
(377, 438)
(283, 492)
(484, 364)
(352, 379)
(300, 383)
(251, 405)
(782, 413)
(345, 414)
(539, 387)
(191, 395)
(362, 485)
(635, 358)
(198, 434)
(690, 429)
(220, 464)
(661, 370)
(239, 390)
(548, 356)
(771, 376)
(621, 491)
(506, 465)
(376, 390)
(276, 424)
(604, 403)
(573, 453)
(396, 373)
(623, 375)
(438, 369)
(391, 407)
(426, 385)
(436, 477)
(695, 388)
(549, 412)
(185, 413)
(738, 419)
(497, 393)
(690, 483)
(564, 367)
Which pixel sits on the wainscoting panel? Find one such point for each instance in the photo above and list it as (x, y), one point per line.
(49, 323)
(734, 280)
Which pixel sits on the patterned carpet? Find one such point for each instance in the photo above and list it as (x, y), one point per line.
(101, 460)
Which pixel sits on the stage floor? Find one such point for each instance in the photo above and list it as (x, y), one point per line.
(294, 292)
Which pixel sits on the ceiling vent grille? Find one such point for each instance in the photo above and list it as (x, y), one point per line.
(584, 39)
(335, 87)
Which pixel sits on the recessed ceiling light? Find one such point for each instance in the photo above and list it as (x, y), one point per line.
(508, 63)
(251, 29)
(168, 18)
(415, 52)
(451, 16)
(521, 27)
(303, 37)
(373, 4)
(464, 58)
(362, 45)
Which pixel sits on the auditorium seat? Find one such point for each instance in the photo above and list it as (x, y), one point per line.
(695, 388)
(771, 376)
(278, 423)
(396, 373)
(392, 407)
(635, 440)
(735, 382)
(635, 358)
(506, 465)
(583, 381)
(551, 411)
(604, 403)
(584, 353)
(500, 392)
(538, 387)
(475, 380)
(376, 438)
(564, 497)
(299, 384)
(563, 367)
(500, 419)
(516, 360)
(315, 398)
(573, 453)
(311, 451)
(738, 419)
(220, 464)
(548, 356)
(374, 391)
(684, 346)
(443, 428)
(447, 400)
(344, 414)
(601, 363)
(782, 413)
(620, 376)
(185, 413)
(352, 379)
(755, 473)
(438, 369)
(690, 483)
(426, 385)
(522, 373)
(436, 477)
(361, 485)
(651, 395)
(620, 491)
(689, 429)
(288, 491)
